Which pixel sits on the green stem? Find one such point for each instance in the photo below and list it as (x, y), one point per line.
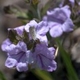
(38, 13)
(67, 61)
(42, 75)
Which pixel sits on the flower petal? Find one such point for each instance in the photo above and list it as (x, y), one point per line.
(42, 28)
(43, 39)
(22, 46)
(5, 45)
(68, 26)
(44, 58)
(10, 62)
(60, 13)
(52, 66)
(20, 30)
(56, 31)
(32, 23)
(22, 67)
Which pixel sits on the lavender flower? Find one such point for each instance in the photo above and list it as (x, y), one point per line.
(58, 21)
(9, 47)
(35, 32)
(19, 30)
(16, 55)
(42, 26)
(21, 57)
(44, 57)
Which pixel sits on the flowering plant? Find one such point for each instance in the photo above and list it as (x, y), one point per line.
(34, 44)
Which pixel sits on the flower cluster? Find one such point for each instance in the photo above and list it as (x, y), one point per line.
(27, 45)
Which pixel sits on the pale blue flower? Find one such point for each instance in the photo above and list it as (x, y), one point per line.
(17, 57)
(38, 56)
(58, 21)
(37, 32)
(44, 58)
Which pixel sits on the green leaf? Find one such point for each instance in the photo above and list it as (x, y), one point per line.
(67, 61)
(30, 14)
(25, 36)
(13, 36)
(30, 44)
(45, 8)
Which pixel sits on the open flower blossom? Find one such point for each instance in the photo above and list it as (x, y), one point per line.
(58, 21)
(16, 55)
(36, 32)
(44, 57)
(21, 58)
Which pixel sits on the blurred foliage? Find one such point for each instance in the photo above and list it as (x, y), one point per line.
(71, 73)
(2, 77)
